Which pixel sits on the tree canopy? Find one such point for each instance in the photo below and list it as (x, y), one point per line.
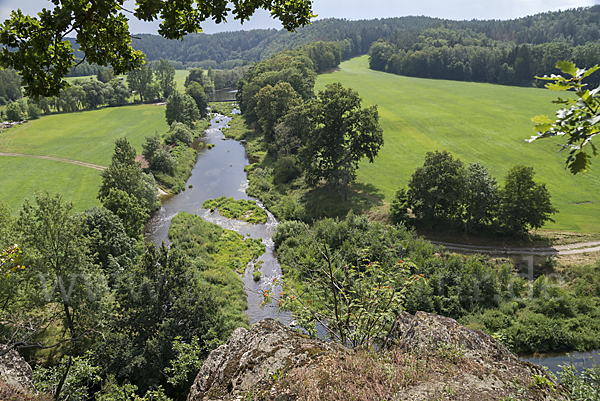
(344, 133)
(36, 46)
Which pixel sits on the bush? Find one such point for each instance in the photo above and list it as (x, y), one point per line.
(163, 161)
(157, 156)
(33, 111)
(286, 169)
(180, 132)
(14, 112)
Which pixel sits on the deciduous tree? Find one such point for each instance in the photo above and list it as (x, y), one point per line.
(524, 204)
(273, 102)
(13, 112)
(480, 198)
(165, 75)
(125, 174)
(578, 122)
(139, 79)
(161, 298)
(343, 134)
(181, 108)
(36, 46)
(436, 189)
(197, 93)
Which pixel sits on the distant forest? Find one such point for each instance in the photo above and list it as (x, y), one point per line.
(502, 52)
(506, 52)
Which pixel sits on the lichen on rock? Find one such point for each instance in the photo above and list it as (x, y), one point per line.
(428, 357)
(15, 372)
(251, 357)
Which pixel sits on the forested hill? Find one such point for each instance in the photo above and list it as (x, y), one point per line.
(500, 52)
(229, 49)
(575, 27)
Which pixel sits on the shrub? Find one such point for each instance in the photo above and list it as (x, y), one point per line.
(14, 112)
(180, 132)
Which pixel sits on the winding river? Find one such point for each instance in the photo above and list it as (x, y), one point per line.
(220, 172)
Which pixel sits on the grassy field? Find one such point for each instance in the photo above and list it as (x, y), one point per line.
(180, 76)
(476, 123)
(87, 136)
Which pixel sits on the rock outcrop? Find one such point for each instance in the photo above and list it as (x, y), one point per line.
(486, 370)
(251, 357)
(436, 357)
(15, 372)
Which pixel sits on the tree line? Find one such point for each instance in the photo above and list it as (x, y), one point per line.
(574, 27)
(227, 50)
(465, 54)
(444, 193)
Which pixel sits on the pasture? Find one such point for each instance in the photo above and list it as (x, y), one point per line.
(475, 122)
(86, 136)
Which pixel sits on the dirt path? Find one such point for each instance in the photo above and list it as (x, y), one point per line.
(57, 159)
(569, 249)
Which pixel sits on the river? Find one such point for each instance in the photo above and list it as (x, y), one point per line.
(220, 172)
(222, 95)
(552, 361)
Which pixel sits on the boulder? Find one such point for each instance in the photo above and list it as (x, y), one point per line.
(251, 357)
(481, 367)
(15, 372)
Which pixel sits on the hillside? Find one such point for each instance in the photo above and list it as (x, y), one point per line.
(227, 49)
(476, 122)
(87, 136)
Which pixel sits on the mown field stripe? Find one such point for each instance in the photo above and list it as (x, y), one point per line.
(58, 159)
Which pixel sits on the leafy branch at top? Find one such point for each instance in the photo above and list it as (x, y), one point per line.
(578, 120)
(37, 48)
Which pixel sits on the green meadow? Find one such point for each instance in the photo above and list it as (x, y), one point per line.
(180, 76)
(86, 136)
(475, 122)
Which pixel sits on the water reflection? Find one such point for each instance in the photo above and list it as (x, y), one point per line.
(222, 95)
(552, 361)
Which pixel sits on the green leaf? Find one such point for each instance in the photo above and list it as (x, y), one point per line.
(590, 71)
(559, 86)
(580, 163)
(567, 67)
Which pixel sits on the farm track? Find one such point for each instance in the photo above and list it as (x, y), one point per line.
(58, 159)
(568, 249)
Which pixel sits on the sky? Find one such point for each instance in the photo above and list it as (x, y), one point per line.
(354, 10)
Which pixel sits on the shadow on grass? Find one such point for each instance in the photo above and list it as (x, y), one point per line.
(328, 202)
(369, 189)
(446, 233)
